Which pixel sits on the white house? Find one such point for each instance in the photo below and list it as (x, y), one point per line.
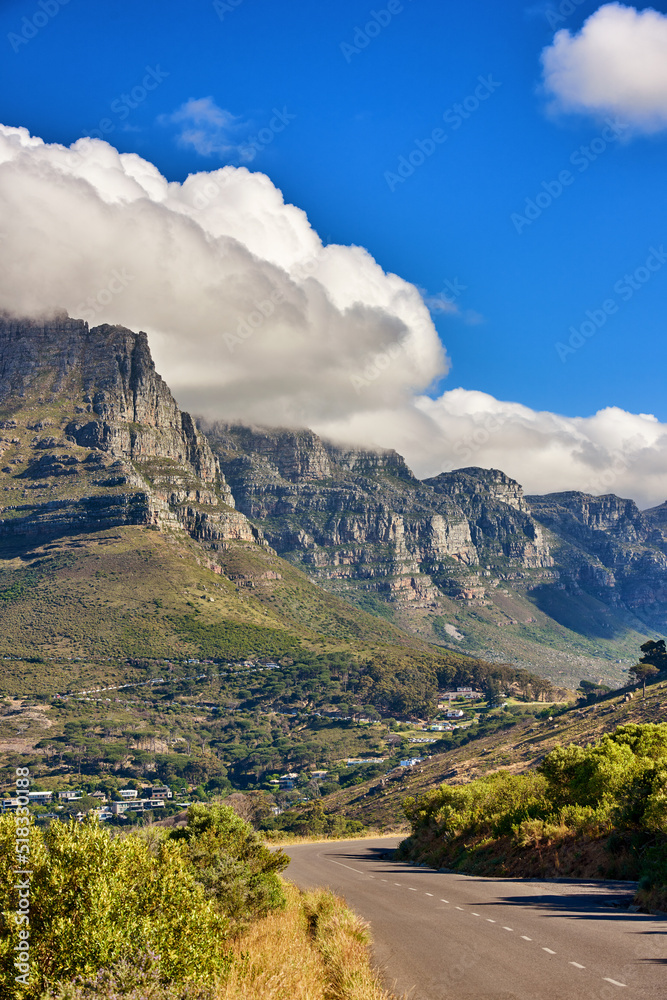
(127, 794)
(39, 798)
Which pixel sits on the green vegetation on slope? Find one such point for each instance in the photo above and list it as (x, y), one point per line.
(192, 913)
(170, 900)
(611, 795)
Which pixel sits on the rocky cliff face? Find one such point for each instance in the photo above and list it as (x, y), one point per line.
(360, 521)
(92, 437)
(610, 548)
(353, 515)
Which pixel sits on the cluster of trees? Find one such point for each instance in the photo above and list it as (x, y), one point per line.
(156, 908)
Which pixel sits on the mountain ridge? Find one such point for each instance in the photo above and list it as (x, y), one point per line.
(92, 438)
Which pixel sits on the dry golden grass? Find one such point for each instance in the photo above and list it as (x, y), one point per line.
(316, 949)
(282, 839)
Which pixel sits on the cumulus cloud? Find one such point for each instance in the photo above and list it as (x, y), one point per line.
(249, 314)
(251, 317)
(208, 129)
(615, 65)
(610, 452)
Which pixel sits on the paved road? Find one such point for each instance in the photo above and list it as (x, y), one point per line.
(439, 935)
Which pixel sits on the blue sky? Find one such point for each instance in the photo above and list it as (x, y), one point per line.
(449, 225)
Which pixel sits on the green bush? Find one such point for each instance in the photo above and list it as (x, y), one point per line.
(615, 788)
(98, 901)
(232, 864)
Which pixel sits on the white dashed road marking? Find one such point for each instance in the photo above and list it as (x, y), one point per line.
(341, 865)
(490, 920)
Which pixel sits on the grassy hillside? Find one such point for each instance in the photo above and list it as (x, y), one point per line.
(129, 652)
(517, 747)
(546, 631)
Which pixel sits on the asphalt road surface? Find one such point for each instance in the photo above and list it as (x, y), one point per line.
(439, 935)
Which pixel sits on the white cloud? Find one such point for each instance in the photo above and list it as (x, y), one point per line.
(615, 65)
(251, 317)
(610, 452)
(208, 129)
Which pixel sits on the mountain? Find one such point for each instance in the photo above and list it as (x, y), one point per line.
(93, 438)
(120, 535)
(251, 592)
(93, 441)
(567, 585)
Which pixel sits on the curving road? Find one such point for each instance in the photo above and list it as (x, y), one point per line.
(439, 935)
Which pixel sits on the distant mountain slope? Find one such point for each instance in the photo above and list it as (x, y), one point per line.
(92, 440)
(464, 558)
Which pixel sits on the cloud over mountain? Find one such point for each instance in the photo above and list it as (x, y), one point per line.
(251, 317)
(615, 65)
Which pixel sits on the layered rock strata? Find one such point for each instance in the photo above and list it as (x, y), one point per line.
(92, 437)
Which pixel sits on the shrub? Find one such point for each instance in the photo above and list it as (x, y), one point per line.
(104, 902)
(231, 863)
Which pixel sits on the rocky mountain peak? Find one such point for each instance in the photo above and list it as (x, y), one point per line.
(80, 401)
(489, 484)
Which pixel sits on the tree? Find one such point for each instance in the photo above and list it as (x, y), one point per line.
(641, 672)
(655, 653)
(492, 692)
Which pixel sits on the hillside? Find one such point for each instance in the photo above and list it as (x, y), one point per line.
(217, 609)
(124, 561)
(517, 749)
